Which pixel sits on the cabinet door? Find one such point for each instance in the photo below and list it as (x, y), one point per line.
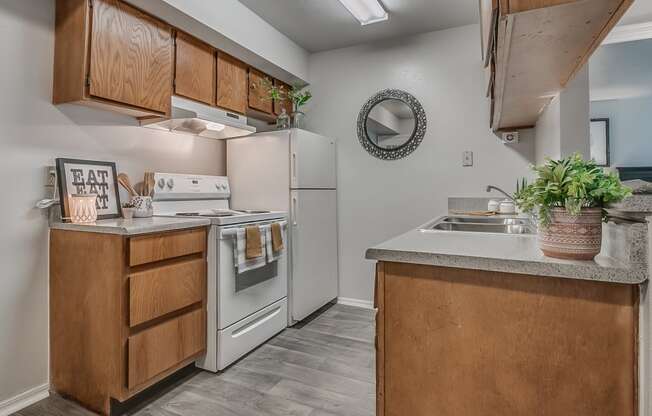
(231, 83)
(194, 69)
(258, 92)
(286, 104)
(131, 57)
(489, 15)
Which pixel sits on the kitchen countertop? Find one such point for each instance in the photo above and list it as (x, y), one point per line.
(134, 226)
(501, 253)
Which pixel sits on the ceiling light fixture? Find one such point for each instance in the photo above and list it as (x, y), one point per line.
(366, 11)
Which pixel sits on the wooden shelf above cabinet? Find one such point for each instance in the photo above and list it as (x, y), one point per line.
(540, 47)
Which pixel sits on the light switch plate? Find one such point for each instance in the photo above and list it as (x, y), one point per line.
(467, 158)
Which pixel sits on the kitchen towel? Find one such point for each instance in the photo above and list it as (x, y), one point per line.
(273, 255)
(254, 247)
(241, 262)
(277, 237)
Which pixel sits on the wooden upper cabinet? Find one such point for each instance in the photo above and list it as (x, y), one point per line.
(111, 55)
(232, 88)
(194, 69)
(540, 45)
(488, 20)
(286, 104)
(258, 97)
(130, 57)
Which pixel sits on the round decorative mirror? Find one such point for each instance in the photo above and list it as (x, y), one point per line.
(391, 125)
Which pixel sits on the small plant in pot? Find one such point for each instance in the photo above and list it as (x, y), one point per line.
(568, 197)
(297, 95)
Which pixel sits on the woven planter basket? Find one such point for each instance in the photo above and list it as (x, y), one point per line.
(572, 237)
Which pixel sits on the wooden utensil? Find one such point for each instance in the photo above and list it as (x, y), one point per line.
(123, 180)
(149, 183)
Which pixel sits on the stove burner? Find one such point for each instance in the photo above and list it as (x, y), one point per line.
(253, 211)
(187, 214)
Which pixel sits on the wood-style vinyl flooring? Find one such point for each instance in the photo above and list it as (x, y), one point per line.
(323, 367)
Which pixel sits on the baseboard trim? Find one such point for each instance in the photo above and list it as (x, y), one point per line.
(365, 304)
(24, 399)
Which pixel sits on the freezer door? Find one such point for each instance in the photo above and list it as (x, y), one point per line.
(312, 161)
(314, 251)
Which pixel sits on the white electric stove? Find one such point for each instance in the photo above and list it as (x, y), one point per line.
(244, 310)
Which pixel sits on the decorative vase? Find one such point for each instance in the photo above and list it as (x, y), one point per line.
(298, 118)
(143, 205)
(572, 237)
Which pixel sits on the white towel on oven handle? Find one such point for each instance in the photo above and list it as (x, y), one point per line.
(241, 262)
(272, 255)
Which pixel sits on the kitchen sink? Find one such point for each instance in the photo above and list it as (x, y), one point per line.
(487, 220)
(482, 225)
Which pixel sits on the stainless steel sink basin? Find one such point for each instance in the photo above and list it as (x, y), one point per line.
(482, 225)
(487, 220)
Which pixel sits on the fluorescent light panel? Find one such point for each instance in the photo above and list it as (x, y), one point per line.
(366, 11)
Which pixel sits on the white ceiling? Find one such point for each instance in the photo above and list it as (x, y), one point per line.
(639, 12)
(319, 25)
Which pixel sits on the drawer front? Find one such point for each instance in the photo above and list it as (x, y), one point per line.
(154, 293)
(164, 346)
(149, 249)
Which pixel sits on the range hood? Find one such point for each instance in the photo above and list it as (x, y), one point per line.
(191, 117)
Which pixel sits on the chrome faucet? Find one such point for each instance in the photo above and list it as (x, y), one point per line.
(495, 188)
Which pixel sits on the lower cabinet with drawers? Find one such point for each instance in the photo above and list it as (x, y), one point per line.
(125, 311)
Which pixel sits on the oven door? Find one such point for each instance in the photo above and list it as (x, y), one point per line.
(240, 295)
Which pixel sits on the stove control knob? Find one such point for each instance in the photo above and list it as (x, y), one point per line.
(170, 183)
(224, 187)
(217, 186)
(161, 183)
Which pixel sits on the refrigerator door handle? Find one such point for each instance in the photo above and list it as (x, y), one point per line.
(294, 212)
(294, 166)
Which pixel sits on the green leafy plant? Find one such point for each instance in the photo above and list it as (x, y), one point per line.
(299, 96)
(572, 183)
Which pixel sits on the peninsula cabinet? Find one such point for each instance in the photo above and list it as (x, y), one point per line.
(534, 48)
(232, 84)
(459, 342)
(125, 311)
(111, 55)
(194, 69)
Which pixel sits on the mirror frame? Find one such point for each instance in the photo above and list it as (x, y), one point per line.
(420, 125)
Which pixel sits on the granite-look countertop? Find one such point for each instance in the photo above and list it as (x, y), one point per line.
(512, 254)
(134, 226)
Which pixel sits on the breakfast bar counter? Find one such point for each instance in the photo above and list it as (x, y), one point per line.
(475, 323)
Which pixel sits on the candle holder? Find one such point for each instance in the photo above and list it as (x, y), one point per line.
(82, 208)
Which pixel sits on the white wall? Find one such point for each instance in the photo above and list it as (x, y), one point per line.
(563, 127)
(380, 199)
(34, 132)
(630, 122)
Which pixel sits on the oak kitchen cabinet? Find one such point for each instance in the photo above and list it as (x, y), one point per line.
(125, 311)
(458, 342)
(258, 100)
(533, 48)
(232, 83)
(111, 55)
(194, 69)
(280, 105)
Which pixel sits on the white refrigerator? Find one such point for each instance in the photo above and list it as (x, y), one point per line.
(294, 171)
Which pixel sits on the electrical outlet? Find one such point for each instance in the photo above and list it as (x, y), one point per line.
(50, 176)
(467, 158)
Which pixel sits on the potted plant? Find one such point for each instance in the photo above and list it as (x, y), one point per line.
(299, 96)
(568, 197)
